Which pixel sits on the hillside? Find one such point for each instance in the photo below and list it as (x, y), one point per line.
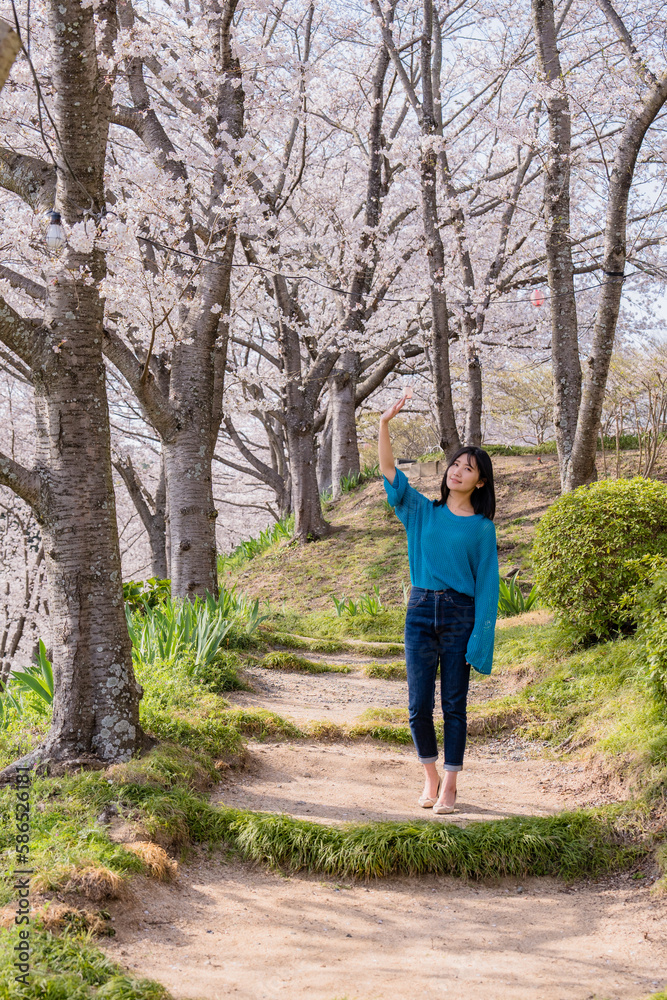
(279, 805)
(368, 546)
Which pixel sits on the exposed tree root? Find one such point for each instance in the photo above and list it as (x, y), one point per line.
(53, 759)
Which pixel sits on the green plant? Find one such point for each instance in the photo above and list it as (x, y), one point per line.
(139, 594)
(37, 679)
(371, 604)
(585, 547)
(341, 605)
(176, 628)
(11, 707)
(511, 601)
(221, 673)
(251, 547)
(356, 479)
(387, 509)
(649, 598)
(368, 604)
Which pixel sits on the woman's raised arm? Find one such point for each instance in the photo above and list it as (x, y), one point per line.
(385, 454)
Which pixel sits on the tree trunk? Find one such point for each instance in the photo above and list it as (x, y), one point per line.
(153, 520)
(581, 466)
(324, 475)
(344, 445)
(96, 699)
(309, 524)
(300, 396)
(188, 455)
(560, 268)
(96, 696)
(449, 435)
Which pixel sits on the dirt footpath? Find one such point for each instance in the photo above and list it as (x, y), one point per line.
(358, 783)
(226, 929)
(232, 930)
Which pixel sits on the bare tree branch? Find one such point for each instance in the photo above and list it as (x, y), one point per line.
(24, 482)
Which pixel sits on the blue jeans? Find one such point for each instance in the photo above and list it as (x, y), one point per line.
(438, 625)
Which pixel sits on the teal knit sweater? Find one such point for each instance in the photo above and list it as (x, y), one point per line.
(452, 550)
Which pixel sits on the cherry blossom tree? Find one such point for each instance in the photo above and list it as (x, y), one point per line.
(637, 96)
(68, 483)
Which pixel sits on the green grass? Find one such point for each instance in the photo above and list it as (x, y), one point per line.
(565, 846)
(387, 626)
(279, 660)
(289, 640)
(396, 671)
(260, 723)
(69, 967)
(593, 697)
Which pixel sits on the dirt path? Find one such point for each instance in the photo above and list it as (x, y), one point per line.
(226, 929)
(231, 930)
(361, 782)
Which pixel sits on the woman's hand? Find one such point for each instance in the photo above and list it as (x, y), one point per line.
(385, 454)
(393, 410)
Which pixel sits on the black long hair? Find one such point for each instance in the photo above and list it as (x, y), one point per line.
(483, 499)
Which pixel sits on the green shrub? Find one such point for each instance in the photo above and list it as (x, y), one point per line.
(140, 594)
(650, 603)
(584, 549)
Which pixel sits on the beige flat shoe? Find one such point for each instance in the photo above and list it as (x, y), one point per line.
(443, 810)
(428, 801)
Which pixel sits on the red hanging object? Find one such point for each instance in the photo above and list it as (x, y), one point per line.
(537, 298)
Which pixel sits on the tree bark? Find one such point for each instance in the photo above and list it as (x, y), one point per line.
(344, 444)
(324, 473)
(560, 267)
(188, 454)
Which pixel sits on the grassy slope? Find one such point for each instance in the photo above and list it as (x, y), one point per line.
(368, 546)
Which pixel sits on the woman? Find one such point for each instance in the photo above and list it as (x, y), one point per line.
(453, 603)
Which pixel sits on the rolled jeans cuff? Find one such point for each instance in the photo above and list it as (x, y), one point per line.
(453, 767)
(427, 760)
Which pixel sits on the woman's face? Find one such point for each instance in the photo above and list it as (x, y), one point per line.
(463, 474)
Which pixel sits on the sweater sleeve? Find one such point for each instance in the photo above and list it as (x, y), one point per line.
(480, 645)
(403, 497)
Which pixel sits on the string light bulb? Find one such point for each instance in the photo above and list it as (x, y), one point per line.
(55, 234)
